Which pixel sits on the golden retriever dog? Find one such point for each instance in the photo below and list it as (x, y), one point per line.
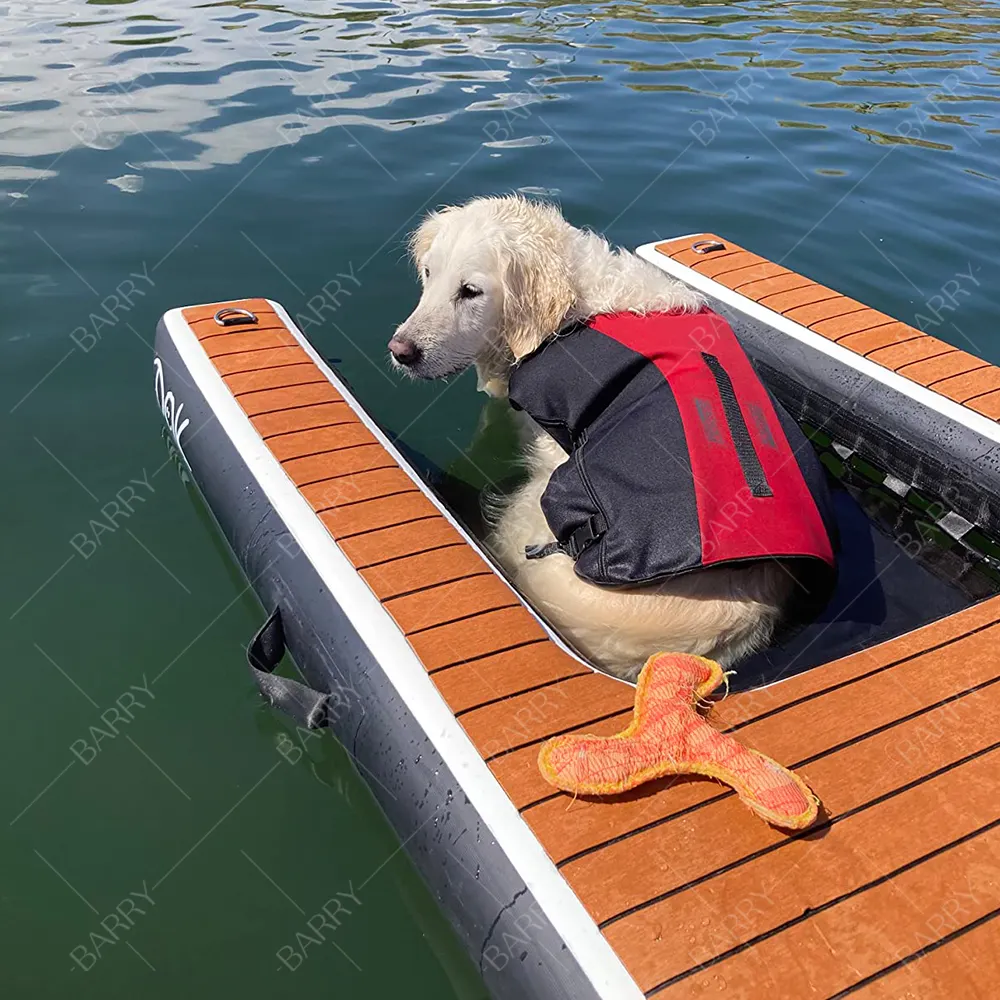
(500, 275)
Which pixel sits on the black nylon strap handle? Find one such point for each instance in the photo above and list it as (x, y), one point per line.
(753, 471)
(305, 705)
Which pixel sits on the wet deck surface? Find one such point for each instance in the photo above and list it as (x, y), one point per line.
(893, 893)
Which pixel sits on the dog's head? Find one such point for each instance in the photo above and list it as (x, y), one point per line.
(495, 281)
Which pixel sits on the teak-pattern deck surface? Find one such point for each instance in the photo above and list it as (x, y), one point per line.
(895, 891)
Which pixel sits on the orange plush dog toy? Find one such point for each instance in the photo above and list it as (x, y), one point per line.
(668, 736)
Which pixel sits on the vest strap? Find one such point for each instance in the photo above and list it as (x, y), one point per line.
(541, 551)
(585, 535)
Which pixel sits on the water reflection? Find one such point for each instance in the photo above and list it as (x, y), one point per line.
(218, 82)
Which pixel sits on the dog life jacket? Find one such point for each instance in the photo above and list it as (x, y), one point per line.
(679, 457)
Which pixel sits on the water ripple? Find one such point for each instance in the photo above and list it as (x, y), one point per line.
(296, 71)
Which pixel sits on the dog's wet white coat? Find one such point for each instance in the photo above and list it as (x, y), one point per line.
(500, 275)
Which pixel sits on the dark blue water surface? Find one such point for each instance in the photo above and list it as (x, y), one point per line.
(166, 154)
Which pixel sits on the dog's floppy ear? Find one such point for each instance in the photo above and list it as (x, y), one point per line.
(423, 236)
(537, 295)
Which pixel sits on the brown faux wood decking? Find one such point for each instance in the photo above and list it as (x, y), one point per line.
(893, 894)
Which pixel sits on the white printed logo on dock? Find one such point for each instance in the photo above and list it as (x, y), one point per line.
(169, 406)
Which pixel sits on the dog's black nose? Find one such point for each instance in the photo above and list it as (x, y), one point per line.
(405, 351)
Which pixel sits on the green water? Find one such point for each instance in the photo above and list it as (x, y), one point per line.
(226, 149)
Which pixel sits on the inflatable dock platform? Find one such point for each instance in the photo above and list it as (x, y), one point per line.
(442, 683)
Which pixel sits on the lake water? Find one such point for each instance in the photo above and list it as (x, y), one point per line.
(158, 154)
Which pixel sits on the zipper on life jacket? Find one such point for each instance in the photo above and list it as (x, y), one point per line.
(753, 471)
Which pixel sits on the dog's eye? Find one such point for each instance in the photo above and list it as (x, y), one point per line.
(469, 291)
(427, 272)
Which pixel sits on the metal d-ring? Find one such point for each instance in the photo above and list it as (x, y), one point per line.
(234, 316)
(707, 246)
